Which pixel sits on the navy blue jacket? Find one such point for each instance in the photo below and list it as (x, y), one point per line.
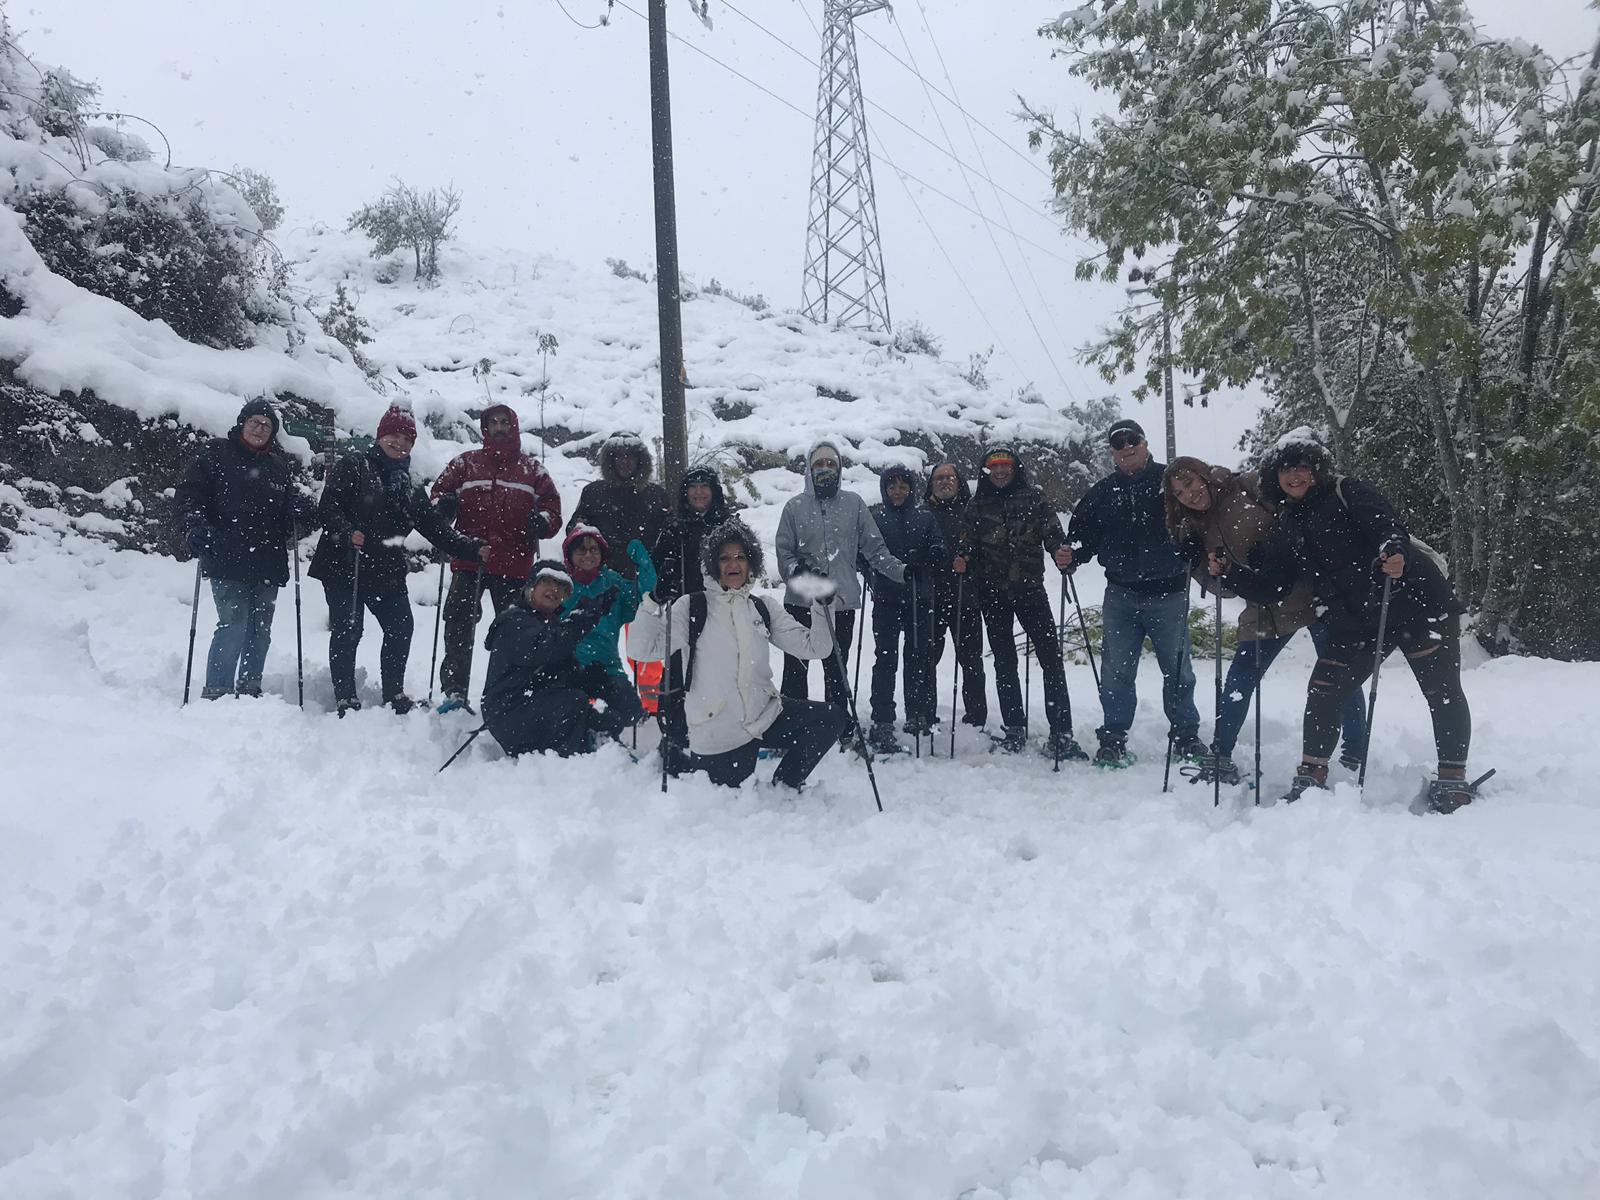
(1120, 521)
(248, 503)
(912, 535)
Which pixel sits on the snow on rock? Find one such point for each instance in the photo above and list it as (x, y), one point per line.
(259, 953)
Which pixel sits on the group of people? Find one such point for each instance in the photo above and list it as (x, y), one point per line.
(1304, 547)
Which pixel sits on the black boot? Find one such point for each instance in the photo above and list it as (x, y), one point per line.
(1309, 776)
(1113, 753)
(1064, 746)
(1188, 745)
(882, 739)
(1015, 740)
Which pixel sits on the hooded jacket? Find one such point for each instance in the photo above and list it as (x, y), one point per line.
(1006, 531)
(623, 509)
(732, 699)
(1121, 521)
(530, 653)
(1332, 537)
(950, 517)
(507, 499)
(677, 551)
(246, 499)
(370, 493)
(911, 534)
(1237, 523)
(826, 536)
(599, 646)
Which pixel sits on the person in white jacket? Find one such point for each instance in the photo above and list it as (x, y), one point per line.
(732, 707)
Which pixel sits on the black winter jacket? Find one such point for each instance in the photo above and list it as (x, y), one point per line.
(950, 518)
(1121, 521)
(623, 509)
(1004, 530)
(912, 535)
(530, 653)
(1335, 542)
(249, 504)
(676, 552)
(355, 499)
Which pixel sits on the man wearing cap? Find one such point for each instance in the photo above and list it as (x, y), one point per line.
(1121, 521)
(239, 508)
(1007, 530)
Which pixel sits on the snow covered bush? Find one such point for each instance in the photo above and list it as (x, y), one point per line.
(117, 144)
(913, 337)
(260, 192)
(345, 325)
(404, 217)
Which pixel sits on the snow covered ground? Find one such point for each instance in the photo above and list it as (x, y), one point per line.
(255, 952)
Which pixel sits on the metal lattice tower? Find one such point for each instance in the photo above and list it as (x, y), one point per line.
(844, 283)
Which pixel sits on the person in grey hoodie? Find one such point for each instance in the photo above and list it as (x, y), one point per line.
(823, 532)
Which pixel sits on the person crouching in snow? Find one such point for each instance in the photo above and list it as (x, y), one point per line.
(585, 552)
(732, 707)
(536, 697)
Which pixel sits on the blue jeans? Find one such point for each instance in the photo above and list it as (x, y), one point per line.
(1129, 618)
(393, 610)
(244, 631)
(1243, 673)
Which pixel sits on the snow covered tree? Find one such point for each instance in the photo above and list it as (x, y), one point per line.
(260, 192)
(1331, 193)
(419, 221)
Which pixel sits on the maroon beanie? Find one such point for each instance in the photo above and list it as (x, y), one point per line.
(398, 420)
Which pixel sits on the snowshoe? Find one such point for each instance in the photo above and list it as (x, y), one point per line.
(455, 704)
(1013, 741)
(1065, 746)
(1307, 778)
(883, 741)
(1189, 746)
(401, 703)
(1211, 769)
(250, 693)
(1113, 754)
(348, 706)
(1444, 796)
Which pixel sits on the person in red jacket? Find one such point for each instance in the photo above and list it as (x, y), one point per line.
(506, 498)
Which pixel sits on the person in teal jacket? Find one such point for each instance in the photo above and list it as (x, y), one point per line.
(584, 552)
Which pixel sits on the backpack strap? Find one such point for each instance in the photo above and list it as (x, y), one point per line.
(761, 607)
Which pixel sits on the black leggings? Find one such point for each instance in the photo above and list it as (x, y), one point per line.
(805, 730)
(1434, 655)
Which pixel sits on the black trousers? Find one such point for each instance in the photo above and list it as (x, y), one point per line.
(1434, 654)
(835, 687)
(557, 719)
(1004, 608)
(462, 611)
(969, 653)
(393, 610)
(805, 730)
(892, 619)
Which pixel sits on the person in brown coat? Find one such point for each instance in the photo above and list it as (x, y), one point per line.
(1214, 512)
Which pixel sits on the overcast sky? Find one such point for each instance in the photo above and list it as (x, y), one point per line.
(545, 128)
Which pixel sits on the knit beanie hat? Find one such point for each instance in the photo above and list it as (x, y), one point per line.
(398, 421)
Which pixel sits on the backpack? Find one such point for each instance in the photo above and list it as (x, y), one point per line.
(1422, 547)
(699, 610)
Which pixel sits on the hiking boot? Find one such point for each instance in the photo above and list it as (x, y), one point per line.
(250, 691)
(1447, 795)
(1214, 768)
(351, 705)
(882, 739)
(1063, 745)
(1014, 740)
(1307, 777)
(1113, 753)
(401, 703)
(455, 703)
(1188, 745)
(919, 728)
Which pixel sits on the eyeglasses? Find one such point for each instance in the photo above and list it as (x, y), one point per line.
(1121, 441)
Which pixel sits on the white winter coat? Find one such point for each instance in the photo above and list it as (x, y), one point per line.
(828, 536)
(732, 699)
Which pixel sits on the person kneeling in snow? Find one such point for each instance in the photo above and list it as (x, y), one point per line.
(732, 707)
(585, 551)
(536, 697)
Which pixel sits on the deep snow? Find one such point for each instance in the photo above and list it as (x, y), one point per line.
(254, 952)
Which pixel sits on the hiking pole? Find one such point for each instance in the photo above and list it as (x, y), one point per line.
(955, 677)
(861, 633)
(1084, 626)
(1216, 650)
(911, 652)
(1377, 665)
(299, 653)
(1166, 771)
(194, 622)
(355, 590)
(438, 614)
(471, 737)
(861, 741)
(664, 701)
(1027, 679)
(930, 677)
(1258, 705)
(1061, 642)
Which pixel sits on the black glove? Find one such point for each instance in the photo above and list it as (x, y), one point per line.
(592, 679)
(198, 539)
(1395, 545)
(447, 506)
(588, 612)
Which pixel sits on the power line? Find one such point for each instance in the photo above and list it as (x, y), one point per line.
(600, 24)
(988, 228)
(810, 118)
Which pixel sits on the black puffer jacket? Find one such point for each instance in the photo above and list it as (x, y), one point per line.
(356, 499)
(1122, 521)
(1005, 529)
(676, 552)
(912, 535)
(248, 503)
(1333, 536)
(950, 517)
(623, 509)
(530, 653)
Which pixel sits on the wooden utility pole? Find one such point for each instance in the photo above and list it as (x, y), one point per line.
(674, 420)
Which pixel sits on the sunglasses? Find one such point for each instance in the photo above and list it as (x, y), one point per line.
(1121, 441)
